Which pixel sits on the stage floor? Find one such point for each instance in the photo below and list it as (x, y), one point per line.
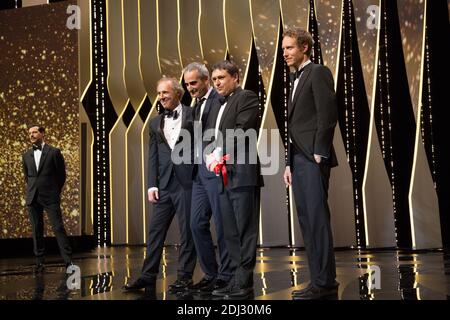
(421, 275)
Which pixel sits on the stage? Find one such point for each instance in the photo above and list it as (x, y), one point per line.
(420, 275)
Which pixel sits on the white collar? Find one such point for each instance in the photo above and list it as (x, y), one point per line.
(304, 64)
(206, 96)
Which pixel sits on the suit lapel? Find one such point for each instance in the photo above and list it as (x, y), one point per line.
(207, 109)
(160, 126)
(183, 121)
(227, 107)
(301, 83)
(30, 161)
(45, 151)
(183, 116)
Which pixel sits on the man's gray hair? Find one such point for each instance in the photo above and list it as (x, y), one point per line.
(176, 85)
(200, 67)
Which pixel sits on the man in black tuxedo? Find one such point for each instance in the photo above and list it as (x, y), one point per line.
(312, 117)
(236, 129)
(205, 192)
(45, 174)
(170, 186)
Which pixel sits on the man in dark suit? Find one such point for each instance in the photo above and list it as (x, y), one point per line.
(45, 174)
(205, 193)
(312, 117)
(170, 168)
(240, 180)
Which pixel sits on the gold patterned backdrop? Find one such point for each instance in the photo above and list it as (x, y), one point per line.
(38, 85)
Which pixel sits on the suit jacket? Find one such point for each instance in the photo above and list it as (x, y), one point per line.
(312, 114)
(160, 165)
(48, 180)
(241, 112)
(210, 112)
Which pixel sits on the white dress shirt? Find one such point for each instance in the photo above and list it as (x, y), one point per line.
(172, 128)
(219, 117)
(304, 64)
(37, 156)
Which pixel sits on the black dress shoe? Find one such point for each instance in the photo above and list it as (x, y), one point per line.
(318, 293)
(203, 285)
(215, 285)
(219, 284)
(239, 293)
(224, 290)
(301, 291)
(180, 284)
(139, 284)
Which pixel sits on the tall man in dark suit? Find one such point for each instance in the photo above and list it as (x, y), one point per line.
(312, 117)
(170, 186)
(240, 179)
(205, 193)
(45, 174)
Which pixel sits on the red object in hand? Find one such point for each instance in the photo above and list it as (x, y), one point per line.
(221, 168)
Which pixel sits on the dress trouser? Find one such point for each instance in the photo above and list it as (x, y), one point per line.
(36, 214)
(310, 187)
(172, 200)
(205, 203)
(240, 211)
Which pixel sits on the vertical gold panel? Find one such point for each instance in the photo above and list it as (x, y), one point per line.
(239, 33)
(169, 60)
(212, 31)
(377, 195)
(30, 3)
(168, 50)
(424, 209)
(137, 94)
(265, 22)
(84, 45)
(367, 42)
(131, 36)
(149, 46)
(328, 13)
(329, 16)
(85, 74)
(189, 38)
(150, 73)
(119, 99)
(265, 17)
(295, 13)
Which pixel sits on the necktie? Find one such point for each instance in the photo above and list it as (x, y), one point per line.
(198, 108)
(37, 146)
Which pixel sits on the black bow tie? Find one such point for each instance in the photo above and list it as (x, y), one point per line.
(37, 147)
(295, 75)
(223, 100)
(170, 113)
